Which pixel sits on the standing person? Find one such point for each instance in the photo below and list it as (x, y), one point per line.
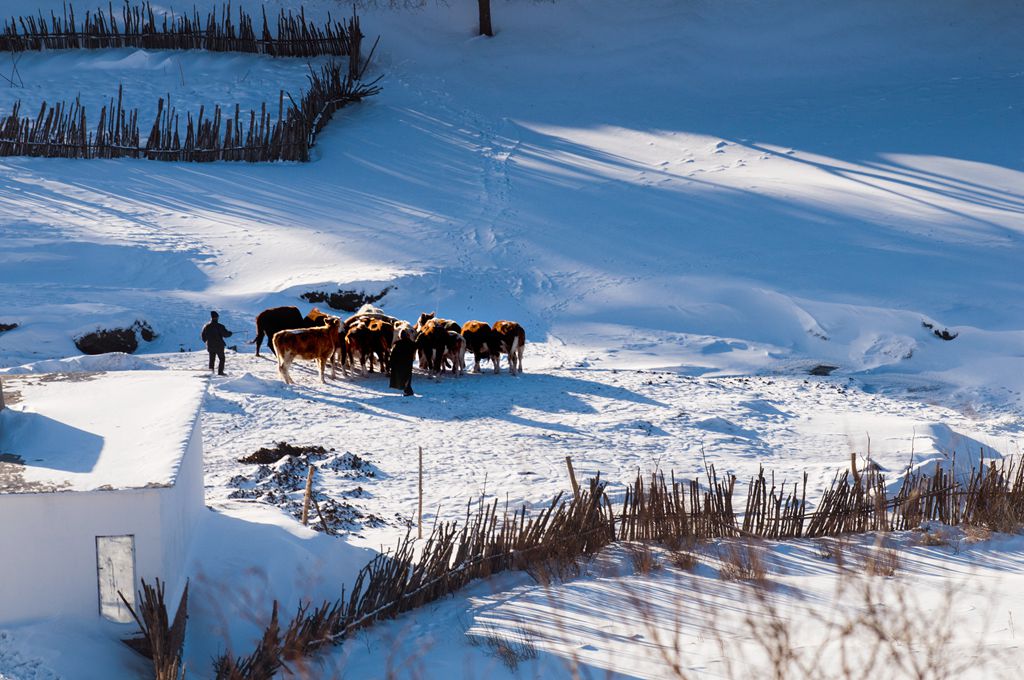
(402, 354)
(213, 335)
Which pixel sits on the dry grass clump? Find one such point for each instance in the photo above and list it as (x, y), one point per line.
(643, 558)
(511, 648)
(833, 549)
(877, 560)
(554, 569)
(682, 552)
(683, 559)
(933, 538)
(742, 561)
(975, 534)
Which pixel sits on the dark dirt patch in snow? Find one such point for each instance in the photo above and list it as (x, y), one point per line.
(345, 300)
(4, 327)
(282, 482)
(265, 456)
(108, 340)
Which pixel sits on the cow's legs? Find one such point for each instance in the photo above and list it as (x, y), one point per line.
(513, 357)
(282, 368)
(321, 363)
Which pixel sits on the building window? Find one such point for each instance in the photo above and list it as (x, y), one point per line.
(115, 568)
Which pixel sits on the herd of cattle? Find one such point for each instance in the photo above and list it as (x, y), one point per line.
(373, 337)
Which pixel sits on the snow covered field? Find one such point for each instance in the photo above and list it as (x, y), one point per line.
(687, 205)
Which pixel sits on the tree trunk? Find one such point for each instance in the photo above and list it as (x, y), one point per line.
(485, 18)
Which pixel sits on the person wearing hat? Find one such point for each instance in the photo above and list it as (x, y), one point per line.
(213, 335)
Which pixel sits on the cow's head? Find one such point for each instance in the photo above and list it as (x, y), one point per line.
(424, 318)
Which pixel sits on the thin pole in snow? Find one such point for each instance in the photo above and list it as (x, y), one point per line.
(305, 500)
(419, 513)
(572, 478)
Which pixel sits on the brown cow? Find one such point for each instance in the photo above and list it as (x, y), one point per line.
(383, 336)
(432, 341)
(454, 353)
(316, 318)
(480, 341)
(421, 343)
(307, 343)
(510, 339)
(369, 339)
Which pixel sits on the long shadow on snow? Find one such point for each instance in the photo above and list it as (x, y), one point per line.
(248, 555)
(480, 396)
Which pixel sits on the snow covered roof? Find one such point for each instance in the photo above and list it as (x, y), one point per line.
(96, 431)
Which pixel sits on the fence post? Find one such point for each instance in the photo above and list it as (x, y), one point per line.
(419, 512)
(485, 18)
(355, 45)
(572, 478)
(305, 500)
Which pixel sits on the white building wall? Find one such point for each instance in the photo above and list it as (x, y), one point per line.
(180, 511)
(48, 541)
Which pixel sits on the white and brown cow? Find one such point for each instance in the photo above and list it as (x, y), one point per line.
(433, 341)
(454, 353)
(510, 339)
(480, 342)
(316, 344)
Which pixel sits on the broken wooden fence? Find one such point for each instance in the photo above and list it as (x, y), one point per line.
(63, 131)
(139, 26)
(490, 541)
(652, 510)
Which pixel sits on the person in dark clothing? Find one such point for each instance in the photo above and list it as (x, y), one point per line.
(402, 354)
(213, 335)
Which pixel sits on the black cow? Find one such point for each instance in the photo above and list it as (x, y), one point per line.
(270, 321)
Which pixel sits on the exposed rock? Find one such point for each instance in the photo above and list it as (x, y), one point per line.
(108, 340)
(145, 330)
(345, 300)
(4, 327)
(941, 333)
(822, 369)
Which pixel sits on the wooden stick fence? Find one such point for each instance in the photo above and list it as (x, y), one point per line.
(992, 496)
(162, 638)
(652, 509)
(490, 541)
(62, 130)
(295, 35)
